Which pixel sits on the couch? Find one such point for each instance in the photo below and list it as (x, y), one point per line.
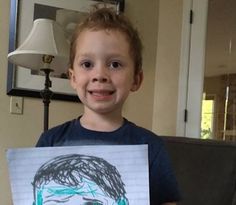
(205, 170)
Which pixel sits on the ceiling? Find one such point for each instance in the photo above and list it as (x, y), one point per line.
(221, 38)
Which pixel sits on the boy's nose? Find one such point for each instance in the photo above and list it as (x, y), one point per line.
(100, 75)
(100, 79)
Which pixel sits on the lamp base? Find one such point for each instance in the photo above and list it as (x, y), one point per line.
(46, 95)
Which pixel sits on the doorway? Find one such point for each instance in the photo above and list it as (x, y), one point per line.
(220, 66)
(211, 73)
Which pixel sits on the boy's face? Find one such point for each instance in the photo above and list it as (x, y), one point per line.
(103, 70)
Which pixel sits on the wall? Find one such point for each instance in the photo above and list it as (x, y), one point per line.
(167, 67)
(23, 130)
(144, 16)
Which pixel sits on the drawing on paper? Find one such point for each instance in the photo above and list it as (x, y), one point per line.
(73, 178)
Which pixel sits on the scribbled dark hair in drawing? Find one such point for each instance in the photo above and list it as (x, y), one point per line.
(70, 170)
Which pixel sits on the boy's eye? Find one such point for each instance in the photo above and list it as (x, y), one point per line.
(86, 64)
(115, 64)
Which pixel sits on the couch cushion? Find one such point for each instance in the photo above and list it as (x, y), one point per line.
(205, 170)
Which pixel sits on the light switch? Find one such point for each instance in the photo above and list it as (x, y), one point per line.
(16, 105)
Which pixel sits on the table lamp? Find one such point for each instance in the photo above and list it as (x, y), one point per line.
(45, 49)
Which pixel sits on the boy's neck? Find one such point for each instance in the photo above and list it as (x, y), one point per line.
(101, 122)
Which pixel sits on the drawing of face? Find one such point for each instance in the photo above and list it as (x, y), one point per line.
(88, 194)
(78, 180)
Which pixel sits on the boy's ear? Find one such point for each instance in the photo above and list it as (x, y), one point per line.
(138, 79)
(71, 77)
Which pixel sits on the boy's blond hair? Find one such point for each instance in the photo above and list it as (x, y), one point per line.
(108, 19)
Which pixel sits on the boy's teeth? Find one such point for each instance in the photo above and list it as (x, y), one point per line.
(102, 93)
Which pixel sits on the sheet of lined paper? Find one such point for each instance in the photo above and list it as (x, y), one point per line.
(131, 162)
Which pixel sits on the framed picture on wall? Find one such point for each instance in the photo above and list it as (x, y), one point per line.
(25, 82)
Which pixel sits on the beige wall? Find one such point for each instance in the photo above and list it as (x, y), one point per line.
(139, 106)
(167, 67)
(23, 130)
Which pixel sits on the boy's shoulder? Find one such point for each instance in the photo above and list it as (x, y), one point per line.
(62, 127)
(54, 134)
(144, 133)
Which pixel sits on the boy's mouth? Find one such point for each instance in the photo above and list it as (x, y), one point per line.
(101, 92)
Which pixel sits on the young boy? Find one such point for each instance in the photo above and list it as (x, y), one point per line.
(105, 65)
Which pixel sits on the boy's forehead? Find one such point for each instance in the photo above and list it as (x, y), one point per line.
(107, 31)
(120, 36)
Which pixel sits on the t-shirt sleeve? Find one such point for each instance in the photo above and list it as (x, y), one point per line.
(54, 135)
(43, 141)
(164, 186)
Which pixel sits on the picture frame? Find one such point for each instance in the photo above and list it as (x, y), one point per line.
(22, 81)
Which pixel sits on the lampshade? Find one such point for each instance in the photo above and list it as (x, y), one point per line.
(45, 38)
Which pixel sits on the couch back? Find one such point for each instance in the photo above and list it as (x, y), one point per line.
(205, 170)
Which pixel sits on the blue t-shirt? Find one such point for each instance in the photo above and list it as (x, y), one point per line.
(163, 184)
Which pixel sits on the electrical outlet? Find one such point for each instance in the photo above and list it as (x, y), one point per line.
(16, 105)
